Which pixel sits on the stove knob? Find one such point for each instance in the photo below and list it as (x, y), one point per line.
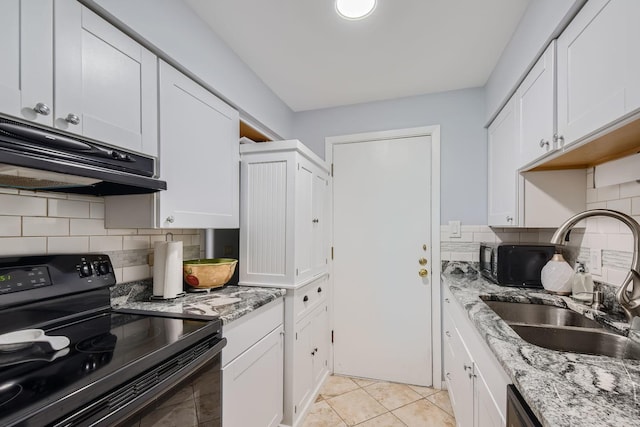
(85, 270)
(104, 268)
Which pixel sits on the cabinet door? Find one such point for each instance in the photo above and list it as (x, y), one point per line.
(502, 167)
(458, 367)
(321, 340)
(255, 377)
(105, 82)
(536, 109)
(199, 155)
(302, 365)
(26, 74)
(486, 410)
(598, 67)
(319, 223)
(304, 220)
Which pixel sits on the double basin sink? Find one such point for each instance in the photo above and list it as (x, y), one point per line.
(561, 329)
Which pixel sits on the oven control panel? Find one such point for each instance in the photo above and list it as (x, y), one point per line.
(42, 276)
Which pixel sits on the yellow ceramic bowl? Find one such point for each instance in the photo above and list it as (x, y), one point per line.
(208, 273)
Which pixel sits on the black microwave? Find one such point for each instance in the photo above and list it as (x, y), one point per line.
(514, 264)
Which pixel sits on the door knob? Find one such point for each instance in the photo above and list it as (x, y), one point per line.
(423, 272)
(422, 261)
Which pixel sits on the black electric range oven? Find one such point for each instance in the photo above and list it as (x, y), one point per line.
(120, 367)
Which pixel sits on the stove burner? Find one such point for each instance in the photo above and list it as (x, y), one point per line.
(8, 392)
(100, 344)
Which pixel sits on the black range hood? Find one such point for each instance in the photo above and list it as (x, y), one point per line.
(32, 158)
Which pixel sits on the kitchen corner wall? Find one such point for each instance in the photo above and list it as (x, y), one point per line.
(34, 223)
(607, 236)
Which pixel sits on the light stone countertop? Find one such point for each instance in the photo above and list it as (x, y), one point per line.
(228, 303)
(562, 388)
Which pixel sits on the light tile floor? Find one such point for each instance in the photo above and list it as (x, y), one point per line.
(345, 401)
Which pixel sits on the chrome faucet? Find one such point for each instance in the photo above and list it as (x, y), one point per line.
(629, 300)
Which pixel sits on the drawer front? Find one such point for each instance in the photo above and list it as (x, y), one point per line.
(309, 296)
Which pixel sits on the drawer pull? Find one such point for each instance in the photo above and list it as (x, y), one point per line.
(319, 290)
(305, 299)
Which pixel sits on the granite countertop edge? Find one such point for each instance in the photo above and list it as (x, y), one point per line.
(562, 388)
(228, 303)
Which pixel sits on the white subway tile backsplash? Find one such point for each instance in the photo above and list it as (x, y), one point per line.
(96, 210)
(22, 246)
(10, 226)
(4, 190)
(592, 195)
(23, 206)
(484, 237)
(42, 226)
(635, 206)
(105, 243)
(137, 272)
(87, 227)
(611, 192)
(60, 245)
(620, 205)
(629, 189)
(121, 231)
(135, 242)
(68, 208)
(620, 242)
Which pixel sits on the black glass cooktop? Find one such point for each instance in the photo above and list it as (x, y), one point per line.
(105, 350)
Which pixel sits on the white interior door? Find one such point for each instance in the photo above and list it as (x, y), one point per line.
(381, 220)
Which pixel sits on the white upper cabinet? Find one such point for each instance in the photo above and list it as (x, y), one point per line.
(598, 67)
(502, 166)
(105, 82)
(26, 74)
(283, 230)
(536, 109)
(199, 159)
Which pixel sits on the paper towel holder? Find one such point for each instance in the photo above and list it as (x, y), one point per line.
(168, 238)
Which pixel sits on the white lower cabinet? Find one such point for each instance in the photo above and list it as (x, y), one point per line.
(252, 381)
(476, 382)
(306, 349)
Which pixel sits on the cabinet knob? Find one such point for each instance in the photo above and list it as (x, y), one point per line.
(558, 138)
(423, 272)
(42, 108)
(319, 290)
(543, 143)
(305, 299)
(509, 218)
(448, 375)
(467, 367)
(315, 220)
(72, 119)
(447, 333)
(447, 300)
(170, 219)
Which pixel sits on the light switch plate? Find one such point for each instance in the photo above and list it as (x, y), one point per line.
(454, 229)
(595, 261)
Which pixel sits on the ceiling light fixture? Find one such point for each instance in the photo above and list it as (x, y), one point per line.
(355, 9)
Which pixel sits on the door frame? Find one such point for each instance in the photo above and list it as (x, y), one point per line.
(436, 316)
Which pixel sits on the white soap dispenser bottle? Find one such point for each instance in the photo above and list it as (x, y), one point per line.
(582, 288)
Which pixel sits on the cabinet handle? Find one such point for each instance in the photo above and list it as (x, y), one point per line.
(72, 119)
(448, 375)
(319, 290)
(543, 143)
(305, 299)
(315, 350)
(558, 138)
(467, 367)
(42, 108)
(170, 219)
(447, 333)
(447, 300)
(315, 220)
(509, 218)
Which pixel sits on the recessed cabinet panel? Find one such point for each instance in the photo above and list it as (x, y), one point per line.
(26, 74)
(304, 215)
(502, 167)
(598, 68)
(105, 82)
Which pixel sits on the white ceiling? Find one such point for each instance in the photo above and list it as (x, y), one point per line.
(313, 59)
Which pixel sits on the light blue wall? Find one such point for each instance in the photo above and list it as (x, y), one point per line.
(463, 142)
(178, 33)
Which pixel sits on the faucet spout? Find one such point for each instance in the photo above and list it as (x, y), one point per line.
(629, 299)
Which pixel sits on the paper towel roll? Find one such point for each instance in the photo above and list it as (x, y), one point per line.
(167, 269)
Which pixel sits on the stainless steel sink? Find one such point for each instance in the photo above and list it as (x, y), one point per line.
(561, 329)
(579, 340)
(538, 314)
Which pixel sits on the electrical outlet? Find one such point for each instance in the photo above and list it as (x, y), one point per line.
(595, 261)
(454, 229)
(150, 260)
